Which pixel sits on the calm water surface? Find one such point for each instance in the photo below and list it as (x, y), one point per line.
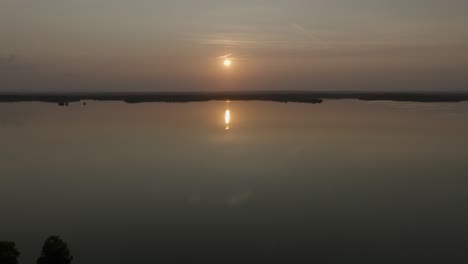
(336, 182)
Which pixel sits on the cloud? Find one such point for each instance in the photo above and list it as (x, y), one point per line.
(227, 42)
(224, 56)
(231, 57)
(309, 34)
(302, 30)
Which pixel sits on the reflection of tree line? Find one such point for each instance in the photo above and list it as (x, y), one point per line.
(54, 251)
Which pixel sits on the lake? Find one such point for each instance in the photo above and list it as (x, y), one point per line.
(237, 182)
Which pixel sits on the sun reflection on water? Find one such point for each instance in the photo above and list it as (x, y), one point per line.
(227, 116)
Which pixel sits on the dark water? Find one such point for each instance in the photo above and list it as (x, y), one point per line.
(339, 182)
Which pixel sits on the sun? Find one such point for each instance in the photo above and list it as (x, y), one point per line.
(227, 62)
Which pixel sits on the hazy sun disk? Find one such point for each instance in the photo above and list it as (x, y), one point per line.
(227, 63)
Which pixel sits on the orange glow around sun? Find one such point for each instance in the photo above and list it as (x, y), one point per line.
(227, 63)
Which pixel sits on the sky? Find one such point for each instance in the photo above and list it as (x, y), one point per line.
(148, 45)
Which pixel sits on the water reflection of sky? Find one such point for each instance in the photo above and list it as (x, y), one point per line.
(171, 178)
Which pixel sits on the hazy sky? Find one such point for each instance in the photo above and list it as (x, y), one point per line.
(149, 45)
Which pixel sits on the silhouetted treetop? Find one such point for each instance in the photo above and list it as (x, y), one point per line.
(55, 251)
(8, 253)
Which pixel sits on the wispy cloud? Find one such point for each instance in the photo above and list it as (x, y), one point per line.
(225, 56)
(295, 40)
(258, 39)
(229, 43)
(309, 35)
(305, 32)
(231, 57)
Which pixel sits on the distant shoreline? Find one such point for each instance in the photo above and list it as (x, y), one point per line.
(274, 96)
